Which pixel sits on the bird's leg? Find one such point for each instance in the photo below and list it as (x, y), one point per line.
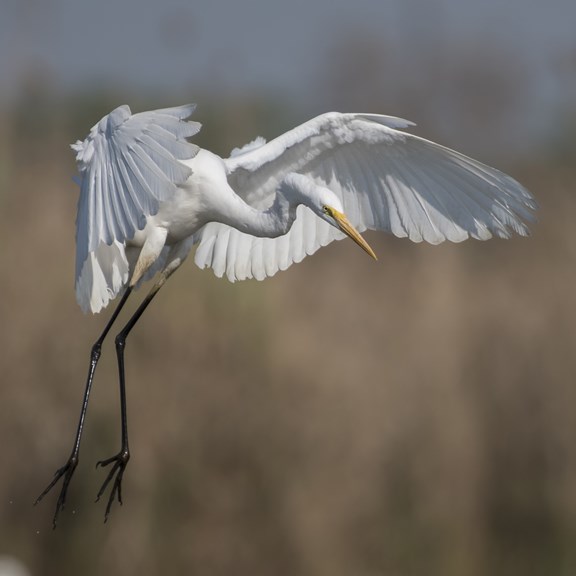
(67, 470)
(120, 460)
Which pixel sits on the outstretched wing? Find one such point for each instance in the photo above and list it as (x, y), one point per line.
(128, 164)
(387, 180)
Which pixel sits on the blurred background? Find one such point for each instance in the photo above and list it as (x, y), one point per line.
(414, 416)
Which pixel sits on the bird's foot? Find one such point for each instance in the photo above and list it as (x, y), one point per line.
(119, 463)
(65, 472)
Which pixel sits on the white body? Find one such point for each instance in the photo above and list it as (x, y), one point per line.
(148, 195)
(195, 203)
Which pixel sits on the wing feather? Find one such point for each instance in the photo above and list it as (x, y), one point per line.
(128, 164)
(470, 208)
(257, 258)
(373, 206)
(387, 180)
(481, 206)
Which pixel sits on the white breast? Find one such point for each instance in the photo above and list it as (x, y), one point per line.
(195, 202)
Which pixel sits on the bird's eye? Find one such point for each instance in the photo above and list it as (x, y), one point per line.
(326, 210)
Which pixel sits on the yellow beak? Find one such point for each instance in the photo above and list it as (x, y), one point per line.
(351, 232)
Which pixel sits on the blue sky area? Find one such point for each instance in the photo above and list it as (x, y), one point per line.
(290, 49)
(253, 44)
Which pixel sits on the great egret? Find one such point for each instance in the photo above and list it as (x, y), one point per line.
(147, 196)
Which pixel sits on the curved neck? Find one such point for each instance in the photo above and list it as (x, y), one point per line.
(271, 223)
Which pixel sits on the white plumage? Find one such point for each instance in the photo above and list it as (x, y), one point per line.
(141, 178)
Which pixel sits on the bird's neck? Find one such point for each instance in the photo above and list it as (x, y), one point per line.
(271, 223)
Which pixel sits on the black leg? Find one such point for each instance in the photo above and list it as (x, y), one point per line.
(67, 470)
(120, 460)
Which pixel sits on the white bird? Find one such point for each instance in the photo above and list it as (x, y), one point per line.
(147, 196)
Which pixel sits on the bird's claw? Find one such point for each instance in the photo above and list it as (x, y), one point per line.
(119, 463)
(66, 471)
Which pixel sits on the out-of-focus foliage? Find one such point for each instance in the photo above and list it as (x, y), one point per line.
(413, 416)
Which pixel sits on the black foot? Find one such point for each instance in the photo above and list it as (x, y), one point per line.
(66, 471)
(120, 461)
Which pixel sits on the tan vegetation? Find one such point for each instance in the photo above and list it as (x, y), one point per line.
(414, 416)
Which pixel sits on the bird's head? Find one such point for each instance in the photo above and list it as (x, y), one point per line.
(301, 189)
(329, 207)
